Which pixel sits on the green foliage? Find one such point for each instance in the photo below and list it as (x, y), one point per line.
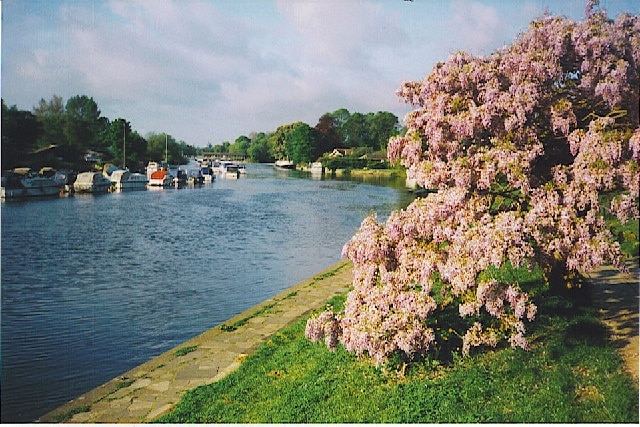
(572, 374)
(118, 134)
(355, 132)
(163, 146)
(20, 132)
(366, 130)
(124, 384)
(346, 162)
(277, 140)
(69, 414)
(185, 350)
(82, 122)
(258, 151)
(299, 143)
(382, 126)
(628, 234)
(327, 137)
(240, 146)
(156, 145)
(232, 327)
(51, 116)
(76, 128)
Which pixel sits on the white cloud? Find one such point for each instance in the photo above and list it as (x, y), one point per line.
(340, 33)
(478, 27)
(211, 70)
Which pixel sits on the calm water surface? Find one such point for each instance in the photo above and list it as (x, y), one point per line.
(93, 286)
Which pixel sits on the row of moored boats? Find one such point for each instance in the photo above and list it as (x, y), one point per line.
(25, 182)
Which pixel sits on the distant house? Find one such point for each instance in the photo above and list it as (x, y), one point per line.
(341, 152)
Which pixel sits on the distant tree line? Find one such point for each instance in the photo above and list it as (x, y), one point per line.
(72, 129)
(301, 143)
(60, 134)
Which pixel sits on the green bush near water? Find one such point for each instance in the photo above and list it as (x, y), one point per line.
(571, 374)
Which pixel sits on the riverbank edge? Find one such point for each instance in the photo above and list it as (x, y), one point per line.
(154, 387)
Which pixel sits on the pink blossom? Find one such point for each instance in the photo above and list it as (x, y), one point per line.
(517, 147)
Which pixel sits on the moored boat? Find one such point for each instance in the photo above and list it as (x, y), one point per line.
(207, 173)
(151, 168)
(180, 179)
(316, 168)
(222, 167)
(195, 177)
(91, 182)
(215, 167)
(232, 171)
(65, 178)
(285, 164)
(160, 178)
(23, 182)
(123, 180)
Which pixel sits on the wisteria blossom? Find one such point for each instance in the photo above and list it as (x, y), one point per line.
(516, 148)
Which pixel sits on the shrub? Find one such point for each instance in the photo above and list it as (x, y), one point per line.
(517, 146)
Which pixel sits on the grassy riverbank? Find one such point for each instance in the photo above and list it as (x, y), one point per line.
(377, 173)
(571, 374)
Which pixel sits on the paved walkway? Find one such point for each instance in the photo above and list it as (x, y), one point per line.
(617, 296)
(153, 388)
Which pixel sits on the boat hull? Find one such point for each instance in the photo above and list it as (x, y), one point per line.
(91, 188)
(123, 180)
(16, 187)
(91, 182)
(160, 178)
(131, 185)
(285, 165)
(160, 182)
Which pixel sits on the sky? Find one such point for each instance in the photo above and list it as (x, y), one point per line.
(208, 71)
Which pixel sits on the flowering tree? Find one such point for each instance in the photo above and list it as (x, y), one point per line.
(517, 147)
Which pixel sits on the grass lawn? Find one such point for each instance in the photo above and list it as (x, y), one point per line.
(571, 374)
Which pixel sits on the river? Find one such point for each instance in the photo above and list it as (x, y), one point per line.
(94, 285)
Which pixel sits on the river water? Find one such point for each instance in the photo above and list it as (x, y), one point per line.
(94, 285)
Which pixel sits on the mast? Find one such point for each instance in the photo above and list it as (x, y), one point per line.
(124, 146)
(166, 150)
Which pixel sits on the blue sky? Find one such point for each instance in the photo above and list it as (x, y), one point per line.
(210, 71)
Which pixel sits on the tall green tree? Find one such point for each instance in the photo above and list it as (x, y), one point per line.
(327, 135)
(382, 126)
(240, 145)
(20, 133)
(356, 131)
(176, 153)
(277, 141)
(157, 146)
(51, 116)
(340, 118)
(126, 144)
(82, 122)
(258, 151)
(300, 143)
(186, 149)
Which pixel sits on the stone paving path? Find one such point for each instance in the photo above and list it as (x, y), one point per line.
(153, 388)
(617, 296)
